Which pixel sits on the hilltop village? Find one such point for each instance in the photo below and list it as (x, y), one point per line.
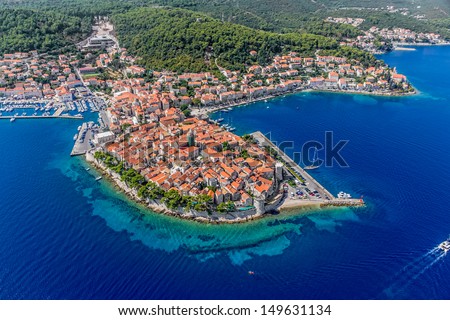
(381, 40)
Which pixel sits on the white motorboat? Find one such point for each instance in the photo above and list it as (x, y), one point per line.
(445, 246)
(343, 195)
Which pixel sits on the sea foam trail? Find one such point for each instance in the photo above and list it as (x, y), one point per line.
(416, 262)
(412, 271)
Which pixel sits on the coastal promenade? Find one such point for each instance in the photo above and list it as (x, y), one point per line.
(420, 44)
(292, 166)
(203, 111)
(23, 103)
(304, 179)
(78, 117)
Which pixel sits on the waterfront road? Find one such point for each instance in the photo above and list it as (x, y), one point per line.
(306, 184)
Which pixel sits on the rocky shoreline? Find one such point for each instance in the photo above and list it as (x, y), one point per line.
(286, 206)
(160, 208)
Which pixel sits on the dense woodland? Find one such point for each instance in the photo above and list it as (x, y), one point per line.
(307, 16)
(26, 30)
(226, 30)
(278, 16)
(183, 40)
(80, 8)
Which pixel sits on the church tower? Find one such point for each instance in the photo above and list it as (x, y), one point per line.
(191, 138)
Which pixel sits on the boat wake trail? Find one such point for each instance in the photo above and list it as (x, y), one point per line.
(413, 270)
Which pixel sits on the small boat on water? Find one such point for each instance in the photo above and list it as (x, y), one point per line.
(12, 119)
(445, 246)
(75, 137)
(98, 178)
(219, 120)
(314, 164)
(87, 169)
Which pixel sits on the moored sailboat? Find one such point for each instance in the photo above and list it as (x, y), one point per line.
(314, 164)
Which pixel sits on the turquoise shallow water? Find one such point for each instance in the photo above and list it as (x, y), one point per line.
(65, 236)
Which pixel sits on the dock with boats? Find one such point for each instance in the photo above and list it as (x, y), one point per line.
(63, 116)
(83, 139)
(312, 190)
(227, 126)
(42, 109)
(46, 115)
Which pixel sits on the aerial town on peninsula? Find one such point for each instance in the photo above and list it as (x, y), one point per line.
(291, 153)
(155, 138)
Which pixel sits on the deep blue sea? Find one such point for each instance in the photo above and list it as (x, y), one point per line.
(65, 236)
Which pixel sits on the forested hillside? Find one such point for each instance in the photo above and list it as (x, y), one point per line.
(277, 16)
(183, 40)
(308, 16)
(431, 8)
(25, 30)
(77, 7)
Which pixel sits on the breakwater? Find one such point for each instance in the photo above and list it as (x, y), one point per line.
(304, 179)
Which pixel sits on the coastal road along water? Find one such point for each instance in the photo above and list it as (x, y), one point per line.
(43, 117)
(290, 165)
(305, 182)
